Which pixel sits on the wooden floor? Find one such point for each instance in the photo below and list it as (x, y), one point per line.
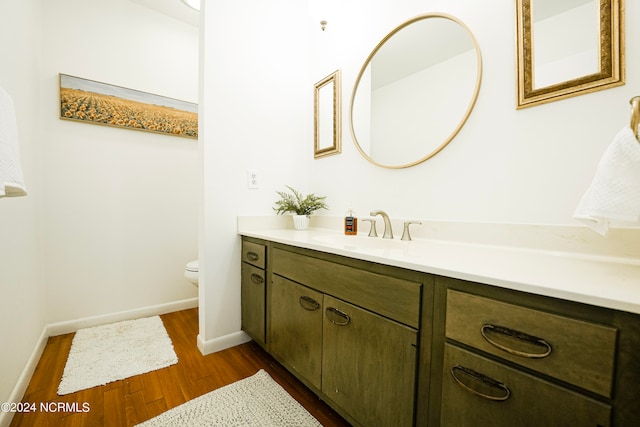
(136, 399)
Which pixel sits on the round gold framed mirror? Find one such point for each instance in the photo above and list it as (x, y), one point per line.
(415, 91)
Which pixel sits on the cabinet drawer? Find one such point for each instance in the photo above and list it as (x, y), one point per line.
(480, 392)
(391, 297)
(574, 351)
(253, 253)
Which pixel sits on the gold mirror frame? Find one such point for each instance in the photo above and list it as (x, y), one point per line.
(332, 80)
(467, 112)
(612, 67)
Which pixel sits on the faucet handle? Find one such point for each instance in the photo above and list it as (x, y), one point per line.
(388, 233)
(405, 234)
(372, 231)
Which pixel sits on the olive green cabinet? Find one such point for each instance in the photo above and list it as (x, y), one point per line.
(295, 336)
(385, 346)
(368, 365)
(362, 362)
(513, 358)
(324, 327)
(478, 391)
(253, 290)
(557, 346)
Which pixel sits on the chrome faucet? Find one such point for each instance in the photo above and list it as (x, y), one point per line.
(388, 233)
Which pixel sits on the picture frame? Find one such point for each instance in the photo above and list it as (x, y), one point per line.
(606, 31)
(327, 103)
(89, 101)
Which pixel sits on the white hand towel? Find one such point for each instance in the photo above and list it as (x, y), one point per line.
(614, 194)
(11, 179)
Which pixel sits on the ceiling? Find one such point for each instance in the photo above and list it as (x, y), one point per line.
(173, 8)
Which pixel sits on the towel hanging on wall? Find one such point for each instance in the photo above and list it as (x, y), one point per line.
(11, 179)
(614, 194)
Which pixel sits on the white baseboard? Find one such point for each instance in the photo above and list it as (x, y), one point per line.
(222, 343)
(25, 377)
(60, 328)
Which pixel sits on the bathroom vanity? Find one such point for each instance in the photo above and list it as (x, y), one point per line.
(386, 342)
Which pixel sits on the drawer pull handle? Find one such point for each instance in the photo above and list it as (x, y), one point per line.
(545, 347)
(337, 317)
(257, 279)
(468, 378)
(253, 256)
(309, 303)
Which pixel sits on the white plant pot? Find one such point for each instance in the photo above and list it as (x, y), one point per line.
(300, 222)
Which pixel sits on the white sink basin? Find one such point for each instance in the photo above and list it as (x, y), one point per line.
(417, 250)
(374, 245)
(363, 242)
(338, 239)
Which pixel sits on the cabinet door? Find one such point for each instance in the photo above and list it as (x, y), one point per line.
(295, 331)
(480, 392)
(369, 365)
(253, 302)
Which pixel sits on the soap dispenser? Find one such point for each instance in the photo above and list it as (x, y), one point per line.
(350, 224)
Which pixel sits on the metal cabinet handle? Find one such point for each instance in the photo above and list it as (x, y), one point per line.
(309, 303)
(253, 256)
(257, 279)
(337, 317)
(503, 394)
(545, 347)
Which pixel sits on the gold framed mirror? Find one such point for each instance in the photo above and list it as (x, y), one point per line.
(568, 48)
(415, 91)
(327, 102)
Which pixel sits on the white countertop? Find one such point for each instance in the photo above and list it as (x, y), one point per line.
(596, 279)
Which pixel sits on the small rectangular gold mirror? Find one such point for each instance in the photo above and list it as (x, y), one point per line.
(567, 48)
(327, 116)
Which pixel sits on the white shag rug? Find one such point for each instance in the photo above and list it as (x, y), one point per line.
(254, 401)
(116, 351)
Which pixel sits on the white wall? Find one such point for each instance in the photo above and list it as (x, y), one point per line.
(22, 292)
(505, 166)
(111, 216)
(529, 165)
(121, 216)
(256, 104)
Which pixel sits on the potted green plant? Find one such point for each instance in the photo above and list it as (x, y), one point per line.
(300, 206)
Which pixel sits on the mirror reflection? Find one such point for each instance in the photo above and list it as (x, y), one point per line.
(566, 40)
(415, 91)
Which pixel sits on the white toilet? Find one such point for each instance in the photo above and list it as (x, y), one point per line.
(191, 272)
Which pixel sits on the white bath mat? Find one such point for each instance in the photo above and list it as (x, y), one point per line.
(107, 353)
(254, 401)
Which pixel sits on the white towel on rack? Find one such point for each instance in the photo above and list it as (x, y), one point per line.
(11, 179)
(614, 194)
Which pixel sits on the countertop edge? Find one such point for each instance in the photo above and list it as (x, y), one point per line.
(579, 283)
